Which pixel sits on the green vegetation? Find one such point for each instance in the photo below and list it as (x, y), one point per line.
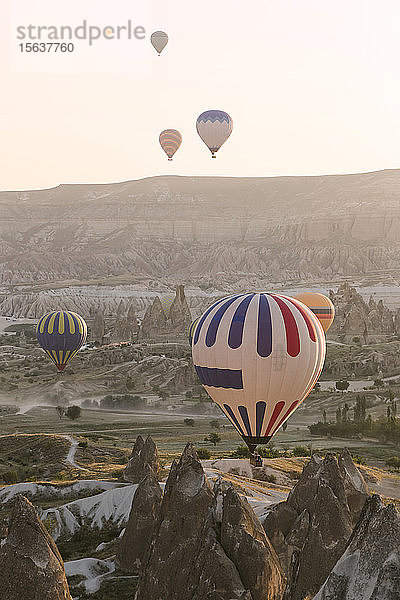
(203, 453)
(213, 438)
(353, 421)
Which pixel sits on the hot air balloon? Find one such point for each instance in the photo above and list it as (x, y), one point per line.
(258, 356)
(159, 39)
(214, 127)
(320, 305)
(61, 333)
(166, 303)
(170, 140)
(191, 330)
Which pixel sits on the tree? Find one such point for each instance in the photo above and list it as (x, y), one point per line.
(213, 438)
(61, 411)
(215, 424)
(189, 422)
(73, 412)
(342, 385)
(284, 426)
(324, 416)
(379, 383)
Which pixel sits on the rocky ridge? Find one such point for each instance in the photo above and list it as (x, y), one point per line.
(202, 543)
(31, 566)
(144, 459)
(369, 569)
(310, 530)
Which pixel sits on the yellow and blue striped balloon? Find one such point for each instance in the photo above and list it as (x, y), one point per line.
(61, 334)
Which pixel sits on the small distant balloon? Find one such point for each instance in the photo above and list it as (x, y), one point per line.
(320, 305)
(166, 303)
(159, 39)
(61, 334)
(214, 127)
(170, 141)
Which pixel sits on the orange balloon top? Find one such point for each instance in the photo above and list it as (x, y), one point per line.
(320, 305)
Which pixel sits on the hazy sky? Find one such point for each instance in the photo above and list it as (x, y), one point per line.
(313, 86)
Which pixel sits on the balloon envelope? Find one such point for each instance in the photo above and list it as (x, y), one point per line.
(159, 40)
(191, 330)
(61, 334)
(320, 305)
(170, 140)
(166, 303)
(214, 127)
(258, 356)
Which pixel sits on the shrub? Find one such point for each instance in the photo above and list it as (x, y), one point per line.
(241, 452)
(301, 451)
(203, 453)
(359, 460)
(394, 461)
(9, 477)
(83, 444)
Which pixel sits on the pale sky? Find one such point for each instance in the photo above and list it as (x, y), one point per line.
(313, 86)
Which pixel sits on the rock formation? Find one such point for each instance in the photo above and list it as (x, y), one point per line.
(179, 313)
(98, 327)
(201, 544)
(142, 519)
(144, 455)
(154, 321)
(310, 530)
(157, 322)
(369, 569)
(31, 567)
(357, 319)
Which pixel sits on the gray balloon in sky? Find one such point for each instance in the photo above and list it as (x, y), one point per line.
(159, 40)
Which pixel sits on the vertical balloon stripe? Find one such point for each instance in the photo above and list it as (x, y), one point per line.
(71, 322)
(78, 323)
(237, 325)
(264, 328)
(287, 413)
(292, 333)
(277, 411)
(260, 412)
(245, 418)
(233, 418)
(216, 320)
(203, 318)
(41, 325)
(309, 323)
(45, 323)
(50, 324)
(61, 323)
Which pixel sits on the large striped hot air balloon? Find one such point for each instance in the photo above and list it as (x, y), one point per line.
(258, 356)
(61, 333)
(320, 305)
(170, 140)
(191, 329)
(214, 127)
(159, 39)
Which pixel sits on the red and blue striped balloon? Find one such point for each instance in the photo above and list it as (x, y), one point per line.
(258, 356)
